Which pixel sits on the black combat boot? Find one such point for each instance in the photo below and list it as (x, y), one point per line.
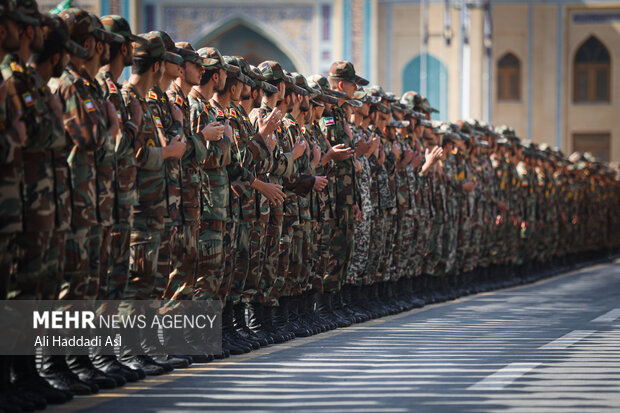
(150, 344)
(83, 367)
(55, 371)
(26, 379)
(270, 314)
(230, 341)
(242, 328)
(323, 311)
(132, 355)
(297, 326)
(256, 322)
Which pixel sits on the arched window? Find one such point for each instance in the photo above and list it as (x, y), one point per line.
(592, 72)
(508, 78)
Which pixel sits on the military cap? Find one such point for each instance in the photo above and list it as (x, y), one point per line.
(398, 107)
(417, 115)
(391, 97)
(245, 69)
(482, 143)
(503, 141)
(322, 82)
(426, 106)
(289, 82)
(302, 82)
(446, 130)
(354, 103)
(345, 71)
(366, 96)
(117, 24)
(411, 98)
(398, 123)
(316, 102)
(168, 42)
(383, 108)
(589, 157)
(232, 61)
(23, 11)
(261, 81)
(155, 48)
(58, 26)
(322, 97)
(10, 9)
(273, 71)
(82, 23)
(377, 90)
(426, 123)
(213, 53)
(188, 54)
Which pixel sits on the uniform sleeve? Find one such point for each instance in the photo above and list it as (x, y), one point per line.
(78, 123)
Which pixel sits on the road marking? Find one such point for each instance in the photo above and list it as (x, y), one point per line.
(608, 317)
(567, 340)
(504, 377)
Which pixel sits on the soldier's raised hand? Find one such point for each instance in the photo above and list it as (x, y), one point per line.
(213, 131)
(227, 129)
(20, 128)
(269, 124)
(175, 149)
(272, 192)
(340, 152)
(299, 148)
(320, 182)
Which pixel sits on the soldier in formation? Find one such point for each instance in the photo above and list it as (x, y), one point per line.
(302, 204)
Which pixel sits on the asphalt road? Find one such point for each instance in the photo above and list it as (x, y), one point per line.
(553, 346)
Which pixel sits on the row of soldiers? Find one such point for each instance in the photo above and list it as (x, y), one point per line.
(301, 204)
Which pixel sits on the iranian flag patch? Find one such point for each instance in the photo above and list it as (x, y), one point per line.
(158, 122)
(90, 107)
(329, 122)
(28, 100)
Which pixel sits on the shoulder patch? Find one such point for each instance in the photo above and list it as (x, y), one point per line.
(329, 121)
(90, 107)
(28, 100)
(158, 122)
(152, 95)
(179, 100)
(16, 67)
(112, 86)
(219, 112)
(233, 112)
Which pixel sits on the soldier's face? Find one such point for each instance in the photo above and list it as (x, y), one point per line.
(10, 38)
(318, 112)
(37, 41)
(305, 104)
(246, 93)
(172, 70)
(193, 73)
(127, 48)
(223, 75)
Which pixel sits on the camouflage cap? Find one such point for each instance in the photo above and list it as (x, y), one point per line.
(503, 141)
(154, 48)
(213, 53)
(411, 98)
(589, 157)
(417, 115)
(273, 71)
(302, 82)
(398, 107)
(345, 71)
(168, 42)
(82, 23)
(365, 96)
(58, 26)
(10, 9)
(398, 123)
(383, 108)
(187, 52)
(322, 82)
(377, 90)
(27, 11)
(117, 24)
(322, 97)
(261, 81)
(426, 106)
(291, 84)
(232, 61)
(482, 143)
(354, 103)
(391, 97)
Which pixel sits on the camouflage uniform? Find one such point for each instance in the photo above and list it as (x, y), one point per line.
(38, 177)
(362, 228)
(150, 209)
(167, 129)
(185, 244)
(126, 195)
(382, 204)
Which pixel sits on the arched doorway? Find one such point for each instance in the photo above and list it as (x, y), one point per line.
(237, 38)
(436, 82)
